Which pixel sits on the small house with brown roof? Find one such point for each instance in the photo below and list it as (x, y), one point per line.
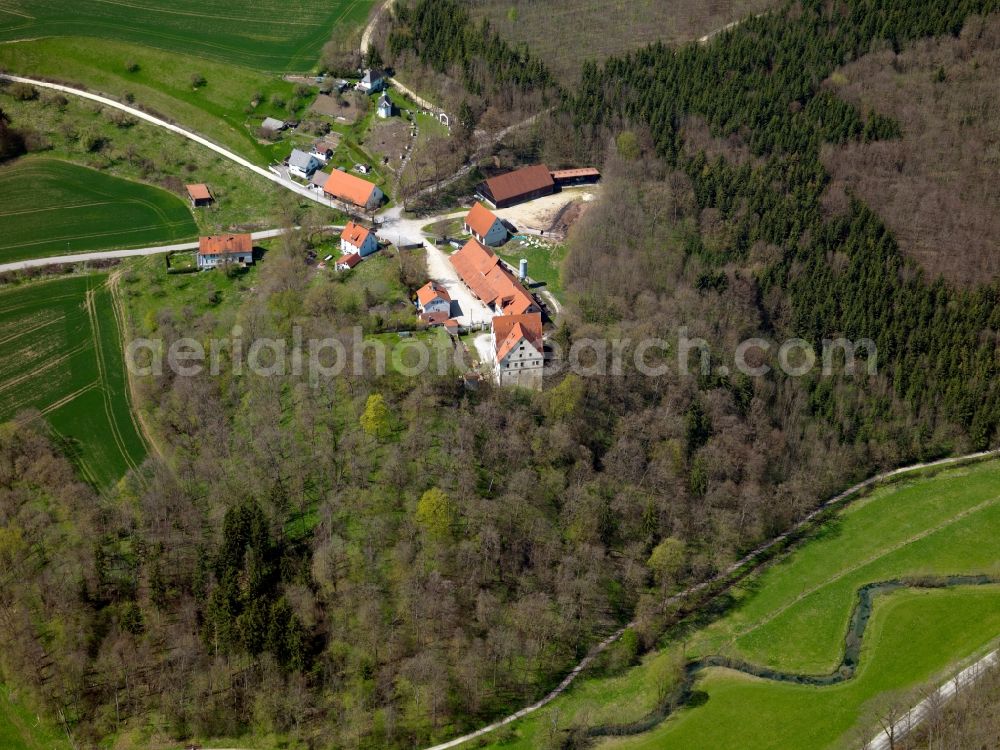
(199, 195)
(353, 190)
(358, 239)
(221, 249)
(519, 350)
(347, 262)
(433, 298)
(485, 226)
(518, 186)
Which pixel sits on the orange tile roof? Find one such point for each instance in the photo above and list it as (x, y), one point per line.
(510, 330)
(519, 182)
(480, 219)
(355, 234)
(489, 280)
(349, 188)
(431, 291)
(350, 260)
(567, 174)
(199, 192)
(225, 244)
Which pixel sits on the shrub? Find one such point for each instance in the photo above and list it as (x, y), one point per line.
(198, 80)
(132, 66)
(23, 92)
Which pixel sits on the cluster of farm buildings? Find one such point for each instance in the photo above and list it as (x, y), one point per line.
(516, 326)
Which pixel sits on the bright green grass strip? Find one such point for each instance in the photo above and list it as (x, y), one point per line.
(50, 207)
(794, 615)
(263, 34)
(915, 636)
(20, 729)
(61, 353)
(162, 85)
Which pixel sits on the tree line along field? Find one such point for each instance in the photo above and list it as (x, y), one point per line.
(263, 35)
(52, 207)
(61, 354)
(794, 617)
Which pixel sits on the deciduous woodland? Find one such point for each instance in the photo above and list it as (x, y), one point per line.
(381, 561)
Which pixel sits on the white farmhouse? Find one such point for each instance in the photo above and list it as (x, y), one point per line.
(358, 239)
(485, 226)
(520, 352)
(302, 165)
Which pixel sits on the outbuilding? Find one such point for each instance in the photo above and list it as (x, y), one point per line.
(199, 195)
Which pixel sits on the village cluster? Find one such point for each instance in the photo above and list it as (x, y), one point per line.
(515, 322)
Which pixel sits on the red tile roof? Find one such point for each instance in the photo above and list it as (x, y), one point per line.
(510, 330)
(350, 260)
(348, 188)
(225, 244)
(434, 318)
(489, 280)
(355, 234)
(569, 174)
(519, 182)
(199, 192)
(480, 219)
(431, 291)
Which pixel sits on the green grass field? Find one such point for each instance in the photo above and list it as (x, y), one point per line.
(61, 353)
(51, 207)
(264, 34)
(794, 616)
(20, 729)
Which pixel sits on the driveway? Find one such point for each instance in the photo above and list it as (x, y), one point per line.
(394, 228)
(465, 308)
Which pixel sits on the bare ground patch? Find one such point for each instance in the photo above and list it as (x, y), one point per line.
(389, 139)
(346, 107)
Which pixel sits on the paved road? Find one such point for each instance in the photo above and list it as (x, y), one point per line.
(942, 695)
(145, 116)
(751, 558)
(128, 253)
(465, 308)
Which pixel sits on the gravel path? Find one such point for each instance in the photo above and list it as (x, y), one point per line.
(749, 559)
(145, 116)
(127, 253)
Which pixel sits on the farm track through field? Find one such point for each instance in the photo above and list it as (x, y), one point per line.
(102, 378)
(32, 329)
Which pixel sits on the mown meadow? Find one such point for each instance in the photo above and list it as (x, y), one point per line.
(52, 207)
(794, 617)
(61, 354)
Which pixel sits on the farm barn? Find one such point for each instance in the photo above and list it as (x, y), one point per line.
(350, 189)
(518, 186)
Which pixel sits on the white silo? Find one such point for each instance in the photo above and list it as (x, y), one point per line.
(522, 272)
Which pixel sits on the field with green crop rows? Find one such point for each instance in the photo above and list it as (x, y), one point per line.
(794, 617)
(61, 353)
(51, 207)
(264, 34)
